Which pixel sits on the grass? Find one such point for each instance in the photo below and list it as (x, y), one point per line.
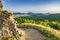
(43, 30)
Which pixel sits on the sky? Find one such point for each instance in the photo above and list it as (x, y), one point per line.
(36, 6)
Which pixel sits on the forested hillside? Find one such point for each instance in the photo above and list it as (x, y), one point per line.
(52, 20)
(48, 25)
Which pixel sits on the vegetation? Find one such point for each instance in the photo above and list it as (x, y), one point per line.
(52, 24)
(46, 32)
(48, 21)
(42, 17)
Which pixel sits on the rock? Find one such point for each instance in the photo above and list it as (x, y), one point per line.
(8, 26)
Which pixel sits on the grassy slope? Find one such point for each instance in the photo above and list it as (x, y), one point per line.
(51, 34)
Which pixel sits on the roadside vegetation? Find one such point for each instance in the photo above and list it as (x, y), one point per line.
(49, 33)
(48, 25)
(47, 28)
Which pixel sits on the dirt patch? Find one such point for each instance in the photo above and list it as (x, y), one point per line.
(31, 34)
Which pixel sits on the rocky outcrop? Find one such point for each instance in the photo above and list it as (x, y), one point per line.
(8, 26)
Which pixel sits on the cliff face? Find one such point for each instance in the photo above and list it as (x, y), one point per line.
(8, 26)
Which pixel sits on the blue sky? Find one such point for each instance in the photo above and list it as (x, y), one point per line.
(32, 5)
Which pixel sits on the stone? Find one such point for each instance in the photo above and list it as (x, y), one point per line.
(8, 26)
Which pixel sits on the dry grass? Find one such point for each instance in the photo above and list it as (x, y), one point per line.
(49, 31)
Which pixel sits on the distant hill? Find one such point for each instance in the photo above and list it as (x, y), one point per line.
(29, 13)
(39, 16)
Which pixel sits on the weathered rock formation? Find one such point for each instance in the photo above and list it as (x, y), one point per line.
(7, 25)
(8, 28)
